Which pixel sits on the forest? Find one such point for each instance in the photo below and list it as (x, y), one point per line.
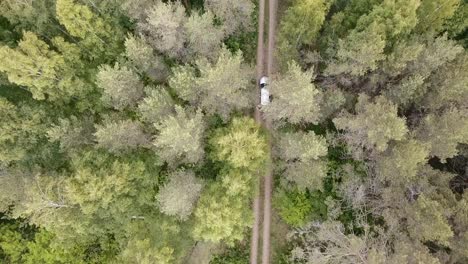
(127, 132)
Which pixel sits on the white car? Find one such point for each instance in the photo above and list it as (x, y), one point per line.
(264, 93)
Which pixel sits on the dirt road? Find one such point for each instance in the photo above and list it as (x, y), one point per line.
(268, 178)
(256, 203)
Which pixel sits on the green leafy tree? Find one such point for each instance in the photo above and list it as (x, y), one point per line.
(203, 37)
(235, 15)
(141, 251)
(307, 174)
(374, 125)
(333, 100)
(343, 21)
(241, 144)
(297, 100)
(72, 133)
(397, 17)
(444, 132)
(156, 238)
(220, 217)
(121, 136)
(430, 59)
(109, 192)
(300, 26)
(302, 153)
(427, 222)
(43, 71)
(180, 137)
(359, 52)
(45, 250)
(179, 196)
(221, 213)
(101, 38)
(12, 244)
(235, 255)
(433, 13)
(157, 105)
(141, 56)
(121, 86)
(36, 16)
(456, 25)
(302, 146)
(23, 128)
(293, 206)
(401, 162)
(448, 86)
(221, 87)
(164, 28)
(303, 20)
(99, 199)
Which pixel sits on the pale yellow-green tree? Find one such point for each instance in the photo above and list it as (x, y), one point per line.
(333, 100)
(142, 252)
(448, 85)
(164, 29)
(179, 196)
(241, 144)
(157, 105)
(336, 245)
(121, 87)
(307, 174)
(296, 99)
(220, 217)
(203, 37)
(121, 136)
(303, 153)
(180, 137)
(302, 146)
(444, 132)
(359, 53)
(235, 15)
(42, 70)
(400, 163)
(100, 37)
(374, 124)
(221, 87)
(142, 56)
(182, 81)
(432, 56)
(460, 252)
(427, 221)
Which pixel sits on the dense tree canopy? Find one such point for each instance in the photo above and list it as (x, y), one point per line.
(127, 132)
